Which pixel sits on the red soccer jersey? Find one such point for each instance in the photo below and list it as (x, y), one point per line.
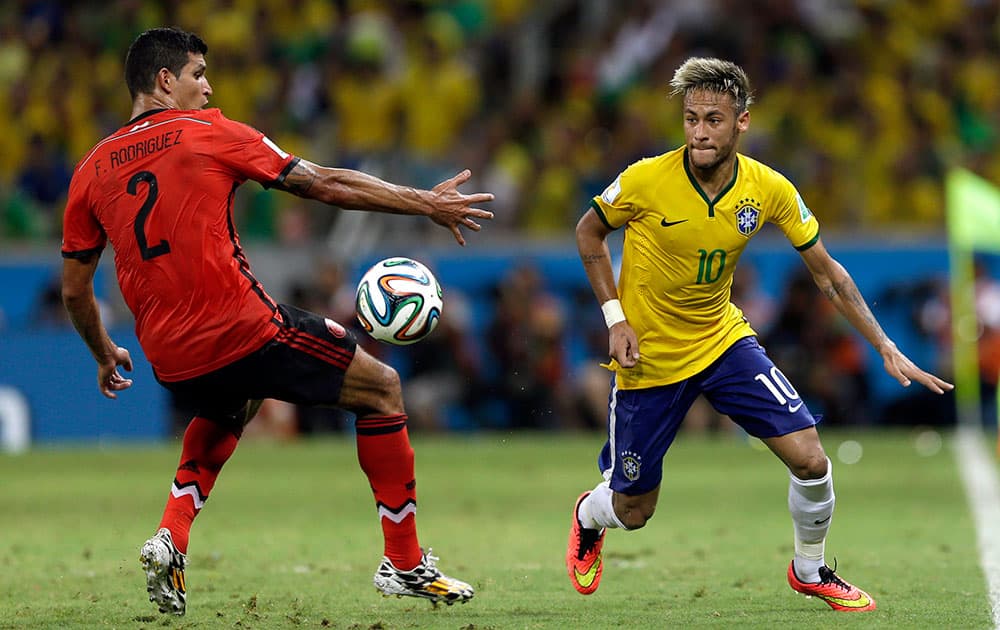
(161, 190)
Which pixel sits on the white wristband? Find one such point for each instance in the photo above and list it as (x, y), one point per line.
(613, 312)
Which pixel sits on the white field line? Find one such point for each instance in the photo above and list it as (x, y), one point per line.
(979, 473)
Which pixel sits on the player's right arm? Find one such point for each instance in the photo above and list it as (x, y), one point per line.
(591, 242)
(81, 304)
(355, 190)
(83, 240)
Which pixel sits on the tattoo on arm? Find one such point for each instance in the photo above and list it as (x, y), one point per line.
(590, 259)
(852, 298)
(848, 292)
(299, 180)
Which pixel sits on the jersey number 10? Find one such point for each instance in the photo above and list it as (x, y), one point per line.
(710, 265)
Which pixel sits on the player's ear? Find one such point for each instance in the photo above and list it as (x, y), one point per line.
(743, 121)
(165, 80)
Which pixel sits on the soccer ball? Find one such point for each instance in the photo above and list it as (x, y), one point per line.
(398, 301)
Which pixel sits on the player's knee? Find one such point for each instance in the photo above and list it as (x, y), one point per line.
(371, 387)
(812, 466)
(233, 421)
(634, 514)
(393, 384)
(636, 518)
(391, 390)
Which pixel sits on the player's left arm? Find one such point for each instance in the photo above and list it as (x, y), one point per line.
(837, 285)
(355, 190)
(81, 304)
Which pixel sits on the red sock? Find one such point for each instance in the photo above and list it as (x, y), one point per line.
(386, 457)
(207, 445)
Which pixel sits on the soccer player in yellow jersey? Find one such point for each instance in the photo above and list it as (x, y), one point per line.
(673, 332)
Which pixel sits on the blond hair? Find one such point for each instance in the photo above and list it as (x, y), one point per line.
(714, 75)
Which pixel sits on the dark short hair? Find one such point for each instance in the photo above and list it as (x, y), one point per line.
(166, 47)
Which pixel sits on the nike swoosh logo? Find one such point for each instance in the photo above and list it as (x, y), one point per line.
(794, 408)
(860, 602)
(666, 223)
(823, 521)
(586, 579)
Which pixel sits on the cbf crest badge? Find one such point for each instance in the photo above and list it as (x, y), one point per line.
(631, 465)
(748, 216)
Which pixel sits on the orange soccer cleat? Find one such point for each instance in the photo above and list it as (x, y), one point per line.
(584, 561)
(833, 590)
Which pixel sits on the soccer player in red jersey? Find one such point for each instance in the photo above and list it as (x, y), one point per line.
(160, 190)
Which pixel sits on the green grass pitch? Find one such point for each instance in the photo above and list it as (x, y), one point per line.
(289, 538)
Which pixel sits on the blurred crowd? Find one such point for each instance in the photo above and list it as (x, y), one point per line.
(861, 104)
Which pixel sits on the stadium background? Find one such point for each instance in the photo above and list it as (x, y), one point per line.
(863, 106)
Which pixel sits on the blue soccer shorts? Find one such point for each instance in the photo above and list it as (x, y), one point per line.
(743, 383)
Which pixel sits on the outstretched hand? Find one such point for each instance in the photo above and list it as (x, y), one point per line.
(109, 380)
(452, 209)
(901, 368)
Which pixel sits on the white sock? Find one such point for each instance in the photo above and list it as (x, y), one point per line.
(597, 511)
(811, 503)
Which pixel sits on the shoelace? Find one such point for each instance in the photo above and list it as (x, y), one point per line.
(176, 557)
(829, 576)
(588, 538)
(430, 560)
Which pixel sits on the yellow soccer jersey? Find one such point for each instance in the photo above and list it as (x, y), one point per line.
(679, 253)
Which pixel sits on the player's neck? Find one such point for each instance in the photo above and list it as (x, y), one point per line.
(143, 103)
(712, 180)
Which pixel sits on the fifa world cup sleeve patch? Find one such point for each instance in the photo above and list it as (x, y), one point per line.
(612, 191)
(804, 212)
